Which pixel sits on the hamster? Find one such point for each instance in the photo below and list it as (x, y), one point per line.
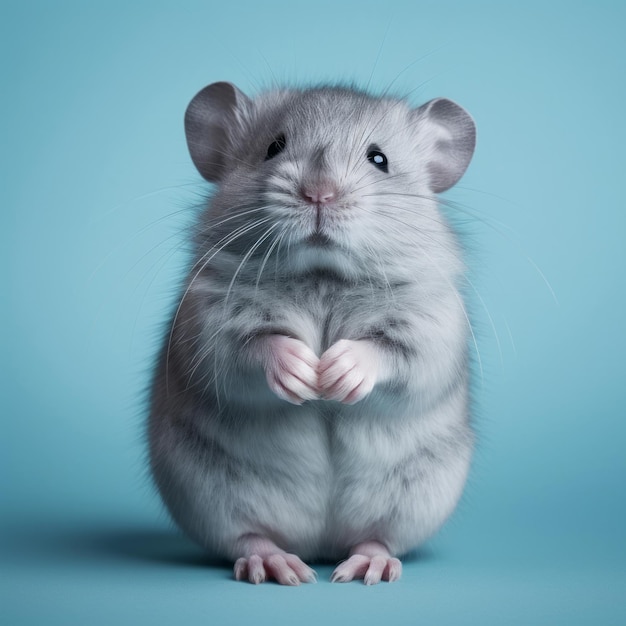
(310, 401)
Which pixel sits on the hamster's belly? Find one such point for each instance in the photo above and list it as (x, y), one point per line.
(317, 481)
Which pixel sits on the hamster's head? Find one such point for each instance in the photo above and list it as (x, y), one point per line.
(329, 177)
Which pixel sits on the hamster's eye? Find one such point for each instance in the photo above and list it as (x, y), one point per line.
(377, 158)
(276, 147)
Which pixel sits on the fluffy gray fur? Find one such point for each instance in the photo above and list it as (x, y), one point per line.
(237, 446)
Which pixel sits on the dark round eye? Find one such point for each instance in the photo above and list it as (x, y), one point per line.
(376, 157)
(276, 147)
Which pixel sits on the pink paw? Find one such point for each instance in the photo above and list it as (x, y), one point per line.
(291, 369)
(264, 560)
(286, 569)
(370, 561)
(348, 371)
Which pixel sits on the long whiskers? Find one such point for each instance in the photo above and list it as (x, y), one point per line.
(202, 264)
(247, 256)
(494, 224)
(260, 240)
(275, 245)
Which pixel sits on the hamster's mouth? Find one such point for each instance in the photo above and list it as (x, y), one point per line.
(319, 240)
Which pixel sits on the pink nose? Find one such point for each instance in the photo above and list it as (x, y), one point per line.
(320, 193)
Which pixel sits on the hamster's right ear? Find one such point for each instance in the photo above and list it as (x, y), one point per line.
(209, 121)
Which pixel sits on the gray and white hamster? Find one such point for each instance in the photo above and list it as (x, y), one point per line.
(311, 397)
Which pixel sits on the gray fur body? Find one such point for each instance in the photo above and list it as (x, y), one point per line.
(377, 269)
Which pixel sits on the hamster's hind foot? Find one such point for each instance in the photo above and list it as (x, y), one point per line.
(264, 560)
(370, 561)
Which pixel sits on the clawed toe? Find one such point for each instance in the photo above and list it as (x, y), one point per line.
(371, 562)
(372, 571)
(285, 569)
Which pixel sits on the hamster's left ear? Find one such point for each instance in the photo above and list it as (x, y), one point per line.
(450, 133)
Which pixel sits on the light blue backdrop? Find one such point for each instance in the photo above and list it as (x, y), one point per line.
(96, 187)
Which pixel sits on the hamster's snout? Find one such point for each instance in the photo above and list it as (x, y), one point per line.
(320, 193)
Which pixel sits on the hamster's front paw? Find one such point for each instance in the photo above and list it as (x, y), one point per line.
(348, 371)
(291, 369)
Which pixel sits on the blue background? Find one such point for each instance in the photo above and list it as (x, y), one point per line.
(96, 190)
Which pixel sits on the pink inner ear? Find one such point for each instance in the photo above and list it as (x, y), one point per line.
(453, 154)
